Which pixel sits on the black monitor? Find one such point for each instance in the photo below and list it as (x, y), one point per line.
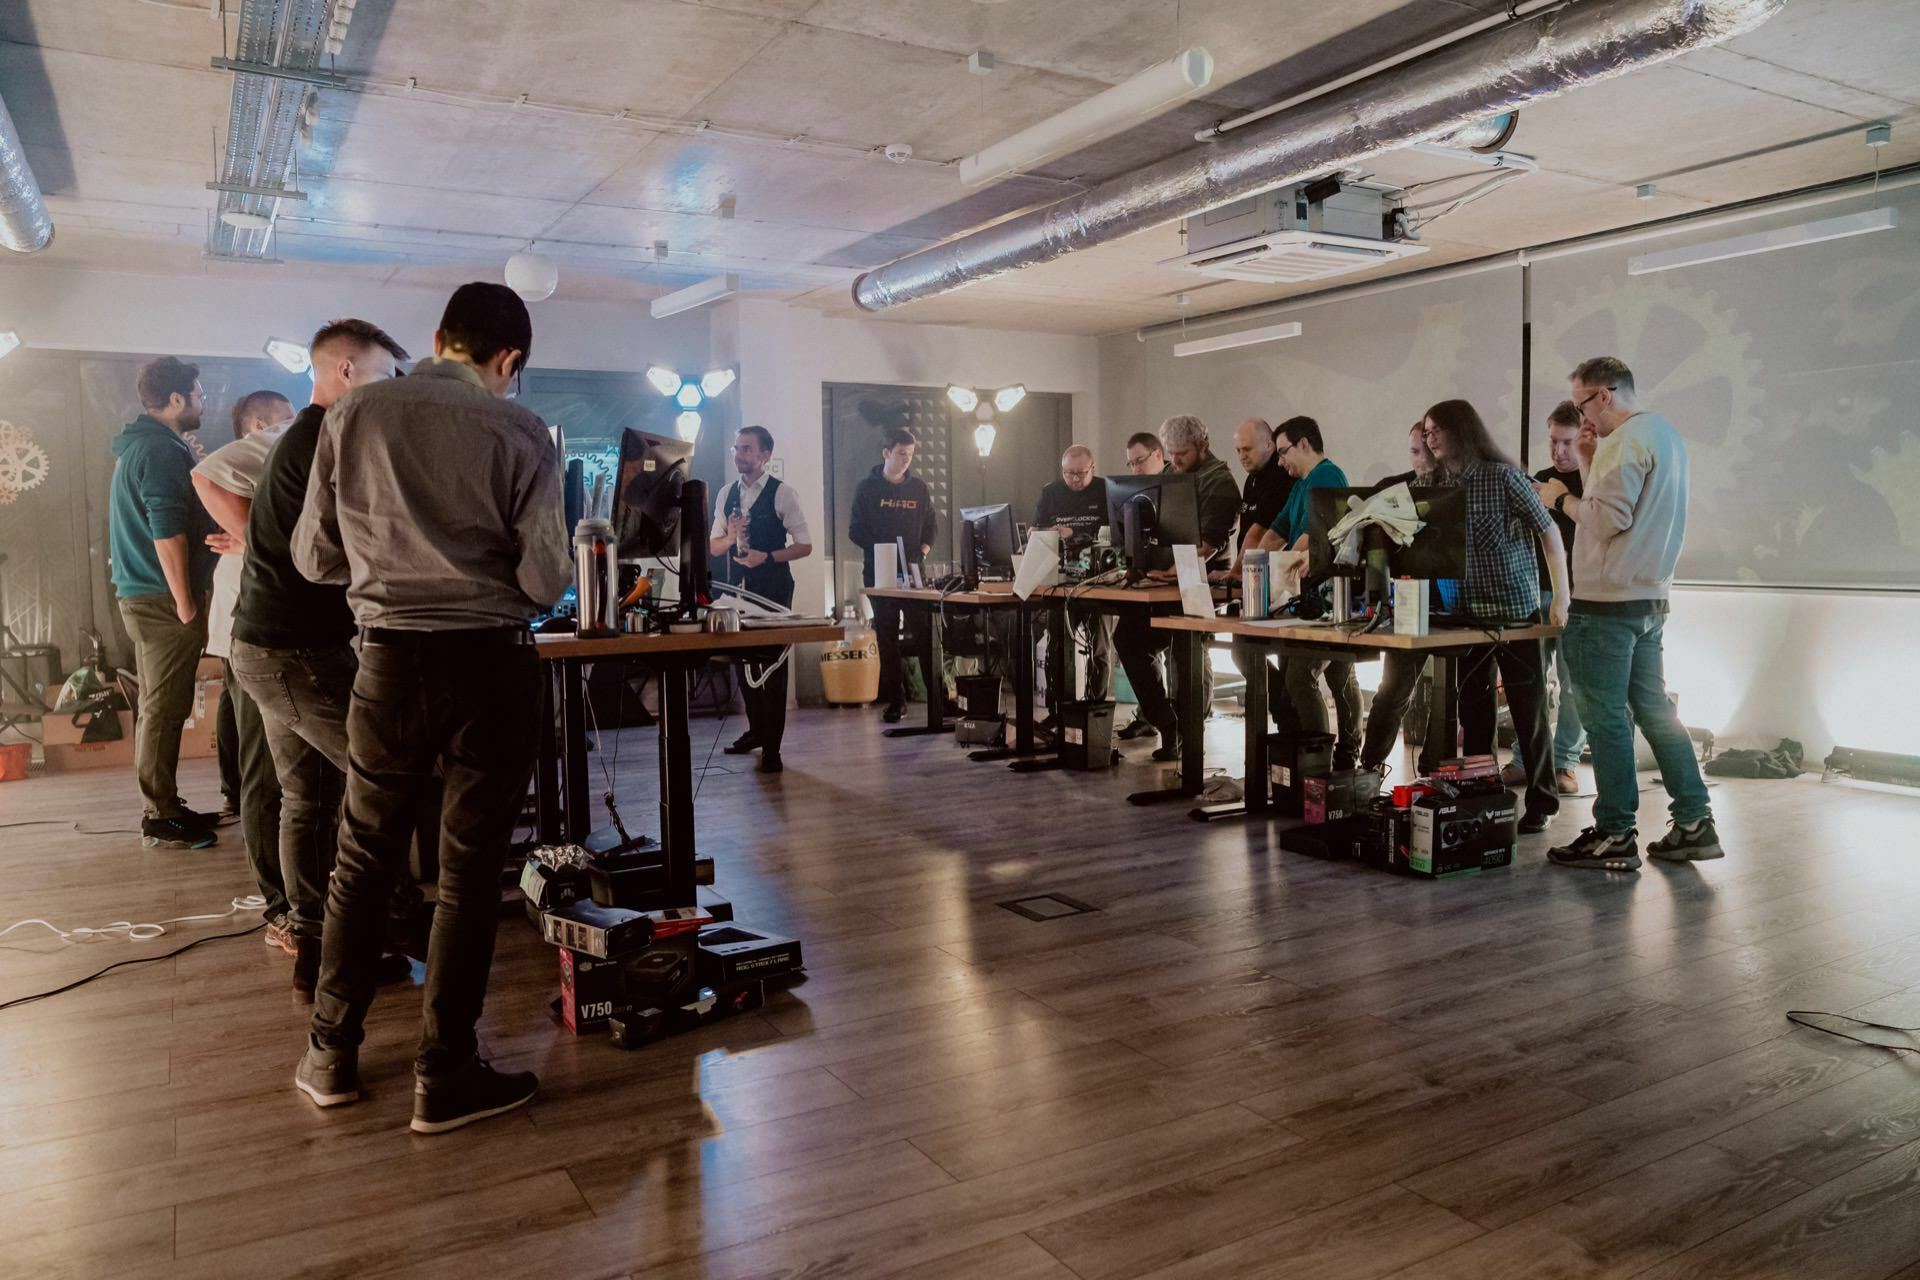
(1439, 550)
(1151, 515)
(986, 543)
(646, 495)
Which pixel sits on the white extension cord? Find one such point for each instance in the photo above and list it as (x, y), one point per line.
(139, 932)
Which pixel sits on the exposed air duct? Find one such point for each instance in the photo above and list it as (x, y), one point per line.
(1495, 71)
(25, 226)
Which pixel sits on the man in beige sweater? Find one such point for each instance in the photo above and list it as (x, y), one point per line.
(1632, 520)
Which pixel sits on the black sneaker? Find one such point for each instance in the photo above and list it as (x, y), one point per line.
(770, 762)
(1140, 728)
(1534, 823)
(194, 818)
(473, 1092)
(893, 713)
(1593, 851)
(745, 744)
(1697, 842)
(331, 1077)
(1169, 748)
(175, 833)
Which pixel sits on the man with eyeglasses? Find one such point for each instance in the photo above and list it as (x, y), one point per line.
(1632, 520)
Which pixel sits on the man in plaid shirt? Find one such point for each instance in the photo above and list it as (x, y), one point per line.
(1505, 521)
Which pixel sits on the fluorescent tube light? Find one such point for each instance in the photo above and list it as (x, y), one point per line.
(1244, 338)
(1101, 116)
(718, 289)
(1852, 224)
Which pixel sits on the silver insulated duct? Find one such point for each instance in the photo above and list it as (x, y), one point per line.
(263, 118)
(1498, 70)
(25, 226)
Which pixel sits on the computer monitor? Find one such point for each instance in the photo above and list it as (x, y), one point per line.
(1439, 550)
(646, 495)
(986, 543)
(1151, 515)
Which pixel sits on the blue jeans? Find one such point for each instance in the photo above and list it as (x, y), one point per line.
(1619, 682)
(1569, 734)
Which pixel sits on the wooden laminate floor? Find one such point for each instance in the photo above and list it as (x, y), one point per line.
(1244, 1064)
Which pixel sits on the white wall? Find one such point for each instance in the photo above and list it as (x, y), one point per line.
(786, 353)
(230, 315)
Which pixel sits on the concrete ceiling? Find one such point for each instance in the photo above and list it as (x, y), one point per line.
(640, 115)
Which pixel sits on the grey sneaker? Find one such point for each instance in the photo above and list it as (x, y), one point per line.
(1593, 850)
(471, 1092)
(1692, 842)
(331, 1077)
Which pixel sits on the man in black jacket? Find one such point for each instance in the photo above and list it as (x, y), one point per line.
(1569, 735)
(891, 503)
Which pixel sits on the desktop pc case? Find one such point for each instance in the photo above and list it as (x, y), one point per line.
(1292, 758)
(1086, 735)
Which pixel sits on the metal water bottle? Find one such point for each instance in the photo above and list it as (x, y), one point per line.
(596, 576)
(1256, 587)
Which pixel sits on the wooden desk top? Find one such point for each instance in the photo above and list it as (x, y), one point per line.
(982, 598)
(1001, 593)
(1375, 641)
(557, 647)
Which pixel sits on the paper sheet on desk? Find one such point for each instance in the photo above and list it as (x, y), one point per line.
(886, 565)
(1196, 597)
(1039, 563)
(1285, 571)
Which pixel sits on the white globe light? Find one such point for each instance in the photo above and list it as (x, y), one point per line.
(533, 276)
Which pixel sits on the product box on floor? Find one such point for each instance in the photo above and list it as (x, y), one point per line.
(67, 751)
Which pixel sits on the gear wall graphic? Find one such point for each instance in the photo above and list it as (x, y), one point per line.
(23, 464)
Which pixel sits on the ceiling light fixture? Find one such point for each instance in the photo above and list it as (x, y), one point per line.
(534, 276)
(714, 381)
(1852, 224)
(664, 380)
(687, 426)
(717, 289)
(688, 397)
(1007, 397)
(9, 343)
(289, 355)
(1101, 116)
(964, 398)
(1244, 338)
(983, 436)
(984, 412)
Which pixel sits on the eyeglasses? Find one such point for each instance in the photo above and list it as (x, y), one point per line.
(1283, 450)
(1582, 404)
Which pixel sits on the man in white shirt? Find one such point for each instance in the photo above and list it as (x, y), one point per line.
(225, 482)
(760, 530)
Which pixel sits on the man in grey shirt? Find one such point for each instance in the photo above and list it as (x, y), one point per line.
(437, 503)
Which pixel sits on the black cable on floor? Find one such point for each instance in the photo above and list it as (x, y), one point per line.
(61, 822)
(1798, 1017)
(81, 982)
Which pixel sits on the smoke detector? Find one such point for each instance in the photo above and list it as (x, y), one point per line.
(898, 152)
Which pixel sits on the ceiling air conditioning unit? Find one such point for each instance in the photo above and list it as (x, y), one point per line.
(1307, 231)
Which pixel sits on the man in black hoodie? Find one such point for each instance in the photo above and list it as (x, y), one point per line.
(891, 503)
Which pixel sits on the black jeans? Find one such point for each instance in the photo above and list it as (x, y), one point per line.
(471, 702)
(1523, 674)
(259, 797)
(1399, 677)
(303, 695)
(767, 705)
(887, 615)
(226, 743)
(1139, 647)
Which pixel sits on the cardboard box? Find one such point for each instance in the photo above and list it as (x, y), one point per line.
(61, 736)
(210, 668)
(75, 756)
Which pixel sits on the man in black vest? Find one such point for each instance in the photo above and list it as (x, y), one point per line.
(758, 527)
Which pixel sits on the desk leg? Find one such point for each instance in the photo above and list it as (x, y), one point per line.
(546, 778)
(573, 718)
(936, 682)
(676, 788)
(1443, 718)
(1022, 659)
(1254, 801)
(1189, 650)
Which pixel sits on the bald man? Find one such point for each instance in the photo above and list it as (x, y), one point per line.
(1075, 506)
(1266, 488)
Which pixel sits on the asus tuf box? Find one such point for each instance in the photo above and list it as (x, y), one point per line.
(1450, 835)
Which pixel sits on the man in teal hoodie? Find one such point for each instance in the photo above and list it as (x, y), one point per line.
(162, 568)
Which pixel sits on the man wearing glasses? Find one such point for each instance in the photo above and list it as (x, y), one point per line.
(1632, 520)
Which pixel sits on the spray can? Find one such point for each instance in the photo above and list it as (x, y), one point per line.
(1256, 587)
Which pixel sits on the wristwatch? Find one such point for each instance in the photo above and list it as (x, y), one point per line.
(1560, 504)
